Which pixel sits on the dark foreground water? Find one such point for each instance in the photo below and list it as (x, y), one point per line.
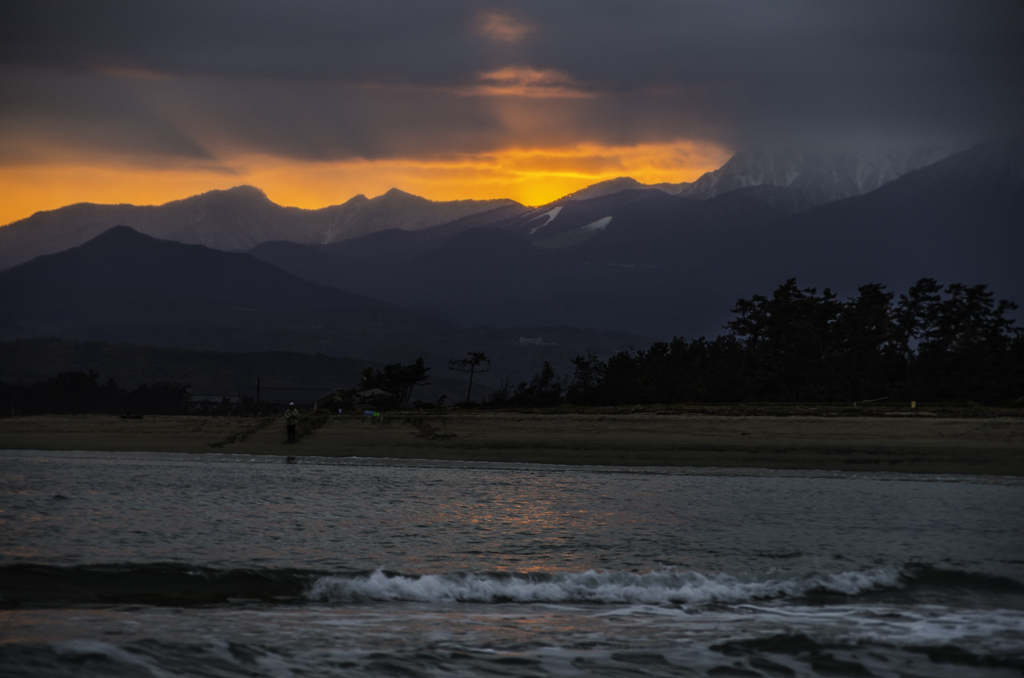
(221, 565)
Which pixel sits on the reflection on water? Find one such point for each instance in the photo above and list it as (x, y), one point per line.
(436, 519)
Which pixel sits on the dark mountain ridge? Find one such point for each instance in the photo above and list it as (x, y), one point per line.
(619, 276)
(957, 220)
(160, 289)
(396, 243)
(127, 287)
(186, 271)
(232, 220)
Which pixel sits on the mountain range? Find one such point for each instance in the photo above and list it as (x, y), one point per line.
(629, 266)
(232, 220)
(243, 217)
(659, 265)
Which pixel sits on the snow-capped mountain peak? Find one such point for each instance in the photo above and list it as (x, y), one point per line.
(816, 176)
(812, 177)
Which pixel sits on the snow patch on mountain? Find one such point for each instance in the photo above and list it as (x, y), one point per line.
(598, 225)
(550, 217)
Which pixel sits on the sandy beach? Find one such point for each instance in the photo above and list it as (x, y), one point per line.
(990, 446)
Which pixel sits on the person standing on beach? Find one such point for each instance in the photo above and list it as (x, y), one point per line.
(291, 419)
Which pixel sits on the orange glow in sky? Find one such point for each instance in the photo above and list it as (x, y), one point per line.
(529, 176)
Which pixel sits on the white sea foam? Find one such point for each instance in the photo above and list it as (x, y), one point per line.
(653, 588)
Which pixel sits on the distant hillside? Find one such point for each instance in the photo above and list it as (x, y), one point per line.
(959, 219)
(127, 287)
(231, 220)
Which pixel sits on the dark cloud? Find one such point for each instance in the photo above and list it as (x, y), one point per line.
(376, 79)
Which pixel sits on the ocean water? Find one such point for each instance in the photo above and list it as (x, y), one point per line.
(227, 565)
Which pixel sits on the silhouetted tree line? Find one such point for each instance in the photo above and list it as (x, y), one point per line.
(545, 389)
(930, 344)
(81, 393)
(396, 379)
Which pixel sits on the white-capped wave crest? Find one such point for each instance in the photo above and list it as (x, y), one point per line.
(652, 588)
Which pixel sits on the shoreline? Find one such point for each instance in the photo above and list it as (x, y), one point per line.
(972, 446)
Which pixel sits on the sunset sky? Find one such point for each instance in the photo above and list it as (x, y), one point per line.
(315, 102)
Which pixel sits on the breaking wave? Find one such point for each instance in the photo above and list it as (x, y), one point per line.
(653, 588)
(182, 585)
